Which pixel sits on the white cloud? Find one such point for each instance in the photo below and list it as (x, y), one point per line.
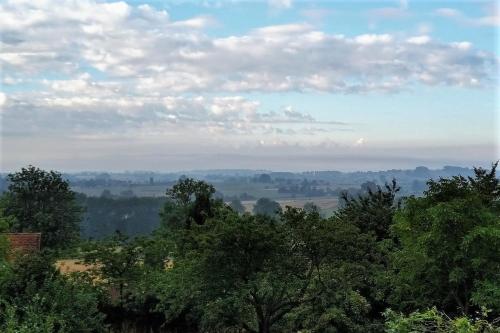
(3, 99)
(143, 49)
(369, 39)
(419, 40)
(359, 142)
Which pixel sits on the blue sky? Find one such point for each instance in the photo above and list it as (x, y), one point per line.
(279, 84)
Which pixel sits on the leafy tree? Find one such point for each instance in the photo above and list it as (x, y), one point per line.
(131, 216)
(189, 202)
(260, 275)
(42, 201)
(237, 206)
(450, 246)
(434, 321)
(310, 207)
(34, 297)
(372, 212)
(118, 262)
(266, 206)
(5, 224)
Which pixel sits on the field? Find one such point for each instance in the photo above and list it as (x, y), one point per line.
(158, 190)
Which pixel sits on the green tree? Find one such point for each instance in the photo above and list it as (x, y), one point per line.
(5, 224)
(450, 246)
(237, 206)
(118, 262)
(261, 275)
(34, 297)
(189, 202)
(371, 212)
(433, 321)
(42, 201)
(266, 206)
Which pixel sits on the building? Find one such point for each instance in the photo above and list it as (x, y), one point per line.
(24, 242)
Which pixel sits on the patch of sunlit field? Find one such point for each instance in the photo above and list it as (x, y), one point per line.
(74, 266)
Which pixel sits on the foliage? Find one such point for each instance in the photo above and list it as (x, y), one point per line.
(104, 216)
(42, 201)
(118, 262)
(268, 207)
(35, 298)
(450, 246)
(258, 274)
(433, 321)
(237, 206)
(190, 202)
(372, 212)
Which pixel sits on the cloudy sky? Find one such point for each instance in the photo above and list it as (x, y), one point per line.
(282, 85)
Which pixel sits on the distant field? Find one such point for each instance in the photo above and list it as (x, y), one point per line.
(146, 190)
(326, 205)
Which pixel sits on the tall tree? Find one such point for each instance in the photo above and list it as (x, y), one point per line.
(189, 202)
(43, 202)
(450, 246)
(372, 214)
(237, 206)
(266, 206)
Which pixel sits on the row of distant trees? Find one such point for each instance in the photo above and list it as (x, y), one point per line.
(380, 264)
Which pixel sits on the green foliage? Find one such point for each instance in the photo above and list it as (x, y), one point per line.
(372, 212)
(42, 201)
(189, 202)
(35, 298)
(433, 321)
(104, 216)
(118, 262)
(450, 246)
(257, 274)
(267, 207)
(237, 206)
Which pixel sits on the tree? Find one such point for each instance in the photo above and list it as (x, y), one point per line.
(42, 201)
(261, 275)
(311, 207)
(6, 222)
(189, 202)
(237, 206)
(373, 211)
(450, 246)
(117, 261)
(268, 207)
(34, 297)
(434, 321)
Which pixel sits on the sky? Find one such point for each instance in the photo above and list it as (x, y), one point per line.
(278, 85)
